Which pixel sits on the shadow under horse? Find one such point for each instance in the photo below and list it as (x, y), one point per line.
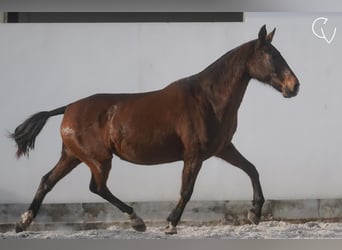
(190, 120)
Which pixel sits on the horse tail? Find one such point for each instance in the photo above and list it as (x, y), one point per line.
(25, 134)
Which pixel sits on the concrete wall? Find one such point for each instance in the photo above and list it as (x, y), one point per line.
(294, 143)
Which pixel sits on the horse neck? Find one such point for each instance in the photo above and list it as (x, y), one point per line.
(225, 81)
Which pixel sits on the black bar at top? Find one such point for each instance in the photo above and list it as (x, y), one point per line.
(122, 17)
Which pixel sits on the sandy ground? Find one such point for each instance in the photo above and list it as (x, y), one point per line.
(265, 230)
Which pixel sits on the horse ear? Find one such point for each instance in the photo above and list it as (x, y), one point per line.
(269, 37)
(262, 34)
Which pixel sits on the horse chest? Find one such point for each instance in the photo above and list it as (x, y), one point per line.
(211, 135)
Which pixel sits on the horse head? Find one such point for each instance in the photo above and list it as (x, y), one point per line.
(268, 66)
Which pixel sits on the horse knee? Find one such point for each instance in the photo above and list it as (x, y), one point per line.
(186, 194)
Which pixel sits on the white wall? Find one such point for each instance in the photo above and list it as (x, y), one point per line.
(295, 143)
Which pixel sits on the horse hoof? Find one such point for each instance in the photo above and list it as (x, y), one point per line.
(170, 230)
(252, 217)
(139, 228)
(19, 227)
(26, 219)
(137, 223)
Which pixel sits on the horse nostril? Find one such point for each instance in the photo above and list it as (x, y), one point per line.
(296, 87)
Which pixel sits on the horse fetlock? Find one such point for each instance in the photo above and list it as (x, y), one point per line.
(170, 229)
(253, 217)
(258, 203)
(137, 223)
(26, 219)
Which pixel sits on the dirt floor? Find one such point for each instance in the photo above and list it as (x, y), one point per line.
(265, 230)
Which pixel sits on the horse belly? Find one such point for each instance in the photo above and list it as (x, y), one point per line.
(149, 150)
(143, 128)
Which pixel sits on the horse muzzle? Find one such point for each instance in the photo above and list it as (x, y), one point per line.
(291, 91)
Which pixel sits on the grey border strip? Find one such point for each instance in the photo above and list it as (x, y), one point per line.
(176, 5)
(173, 244)
(171, 6)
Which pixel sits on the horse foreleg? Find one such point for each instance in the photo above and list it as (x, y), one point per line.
(190, 171)
(48, 181)
(98, 186)
(233, 156)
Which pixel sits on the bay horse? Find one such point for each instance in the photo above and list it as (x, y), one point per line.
(190, 120)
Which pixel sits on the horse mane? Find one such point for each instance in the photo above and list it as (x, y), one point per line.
(236, 56)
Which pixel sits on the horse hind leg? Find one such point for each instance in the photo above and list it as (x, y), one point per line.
(64, 166)
(98, 186)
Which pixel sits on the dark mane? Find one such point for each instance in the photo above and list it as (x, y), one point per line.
(237, 55)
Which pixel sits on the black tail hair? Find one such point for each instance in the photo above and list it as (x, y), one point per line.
(25, 134)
